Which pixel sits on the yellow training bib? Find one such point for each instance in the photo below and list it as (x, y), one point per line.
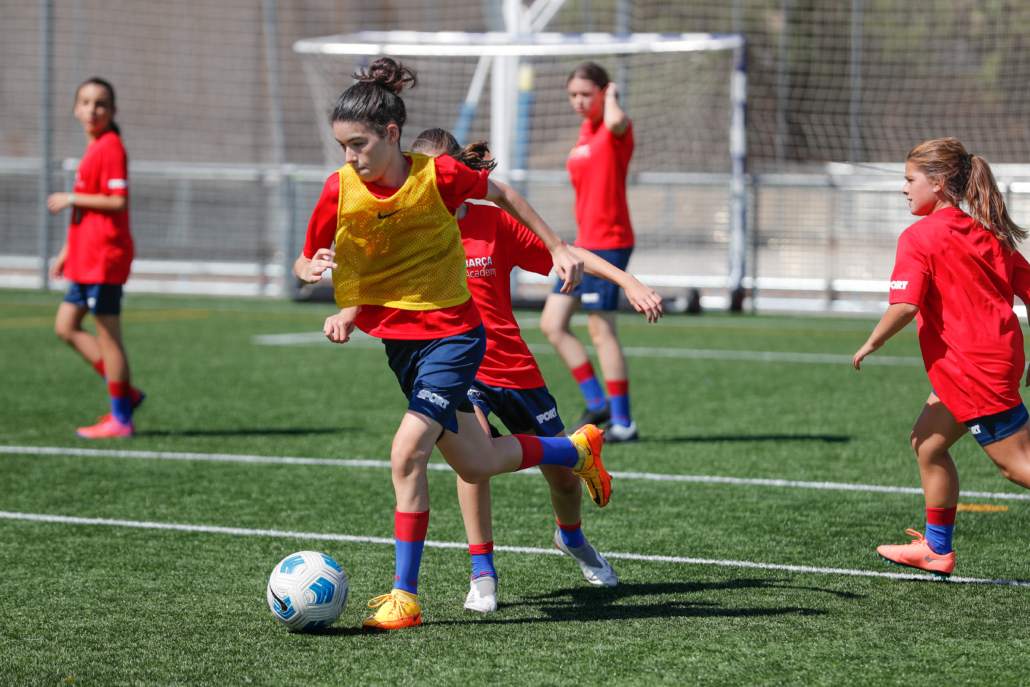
(400, 252)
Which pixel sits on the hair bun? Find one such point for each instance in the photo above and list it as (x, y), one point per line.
(389, 74)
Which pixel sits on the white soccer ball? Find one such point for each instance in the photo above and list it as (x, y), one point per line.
(307, 590)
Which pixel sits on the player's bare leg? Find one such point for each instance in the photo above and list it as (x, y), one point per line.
(934, 433)
(1012, 456)
(68, 326)
(555, 323)
(477, 516)
(109, 339)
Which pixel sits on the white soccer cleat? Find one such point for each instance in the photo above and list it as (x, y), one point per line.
(595, 568)
(622, 434)
(482, 595)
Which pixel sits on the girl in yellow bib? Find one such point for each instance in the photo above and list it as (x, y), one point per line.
(399, 274)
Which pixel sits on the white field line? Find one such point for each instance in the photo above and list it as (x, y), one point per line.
(365, 341)
(443, 467)
(241, 531)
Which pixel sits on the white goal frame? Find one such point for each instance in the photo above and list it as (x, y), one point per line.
(500, 52)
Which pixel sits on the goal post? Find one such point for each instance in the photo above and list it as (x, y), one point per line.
(686, 94)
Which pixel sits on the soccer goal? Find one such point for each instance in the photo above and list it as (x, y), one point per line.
(685, 93)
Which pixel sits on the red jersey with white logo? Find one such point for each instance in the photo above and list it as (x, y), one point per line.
(495, 243)
(963, 280)
(456, 184)
(100, 247)
(598, 166)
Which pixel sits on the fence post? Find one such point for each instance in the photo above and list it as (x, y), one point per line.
(45, 134)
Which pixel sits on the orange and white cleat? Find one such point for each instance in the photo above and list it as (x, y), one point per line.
(397, 610)
(919, 555)
(588, 440)
(108, 428)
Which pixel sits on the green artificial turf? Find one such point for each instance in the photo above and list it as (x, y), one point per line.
(110, 605)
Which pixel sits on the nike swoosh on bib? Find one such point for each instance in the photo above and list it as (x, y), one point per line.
(382, 216)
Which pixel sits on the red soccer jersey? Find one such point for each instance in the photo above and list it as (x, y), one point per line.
(598, 166)
(100, 247)
(456, 184)
(494, 245)
(963, 281)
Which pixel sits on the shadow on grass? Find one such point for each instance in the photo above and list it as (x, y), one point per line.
(332, 632)
(241, 432)
(829, 438)
(588, 604)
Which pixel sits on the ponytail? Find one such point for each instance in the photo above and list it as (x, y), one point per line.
(103, 83)
(374, 100)
(439, 141)
(966, 177)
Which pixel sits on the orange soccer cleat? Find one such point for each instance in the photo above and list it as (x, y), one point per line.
(919, 555)
(588, 440)
(108, 428)
(397, 610)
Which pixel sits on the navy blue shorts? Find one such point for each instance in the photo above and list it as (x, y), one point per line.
(595, 293)
(436, 374)
(523, 411)
(101, 299)
(992, 428)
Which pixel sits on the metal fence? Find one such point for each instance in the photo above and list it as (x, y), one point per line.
(820, 240)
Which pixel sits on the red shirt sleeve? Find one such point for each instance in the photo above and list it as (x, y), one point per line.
(529, 252)
(114, 173)
(457, 183)
(911, 275)
(1021, 278)
(322, 227)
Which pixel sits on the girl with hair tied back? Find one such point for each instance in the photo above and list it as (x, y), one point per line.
(957, 273)
(399, 274)
(509, 383)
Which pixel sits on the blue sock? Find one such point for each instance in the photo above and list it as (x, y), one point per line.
(121, 401)
(588, 384)
(482, 560)
(572, 536)
(558, 451)
(410, 538)
(939, 538)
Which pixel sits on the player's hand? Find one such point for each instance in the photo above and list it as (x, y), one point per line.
(568, 266)
(1027, 377)
(56, 202)
(56, 270)
(312, 272)
(340, 326)
(611, 91)
(866, 349)
(644, 300)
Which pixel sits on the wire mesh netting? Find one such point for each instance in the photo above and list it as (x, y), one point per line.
(858, 81)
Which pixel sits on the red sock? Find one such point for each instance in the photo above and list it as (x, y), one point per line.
(119, 389)
(532, 451)
(99, 367)
(584, 372)
(941, 516)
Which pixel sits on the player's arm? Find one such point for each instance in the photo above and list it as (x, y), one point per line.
(56, 270)
(568, 266)
(340, 326)
(893, 321)
(56, 202)
(317, 255)
(615, 120)
(644, 299)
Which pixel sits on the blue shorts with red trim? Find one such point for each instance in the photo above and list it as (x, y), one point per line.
(101, 299)
(595, 293)
(435, 374)
(523, 411)
(991, 428)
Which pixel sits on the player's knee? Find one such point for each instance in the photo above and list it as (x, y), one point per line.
(552, 330)
(63, 330)
(405, 462)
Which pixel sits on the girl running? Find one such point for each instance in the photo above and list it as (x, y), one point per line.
(399, 274)
(957, 273)
(597, 167)
(97, 256)
(508, 382)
